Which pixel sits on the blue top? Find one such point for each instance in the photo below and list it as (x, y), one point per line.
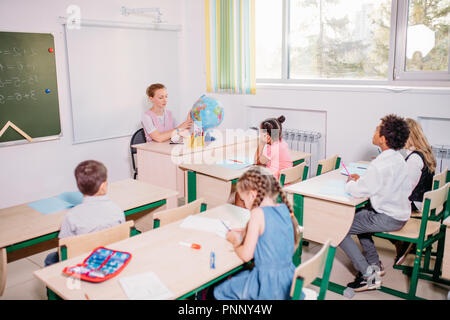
(271, 278)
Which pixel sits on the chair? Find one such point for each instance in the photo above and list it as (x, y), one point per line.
(3, 264)
(160, 218)
(318, 266)
(329, 164)
(438, 180)
(424, 232)
(138, 137)
(77, 245)
(294, 174)
(441, 179)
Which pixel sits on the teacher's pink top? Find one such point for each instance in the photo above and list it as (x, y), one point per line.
(168, 123)
(279, 157)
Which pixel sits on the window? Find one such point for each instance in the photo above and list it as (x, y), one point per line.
(371, 40)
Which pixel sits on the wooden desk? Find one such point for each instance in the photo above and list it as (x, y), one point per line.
(183, 270)
(323, 216)
(214, 182)
(157, 163)
(22, 226)
(446, 260)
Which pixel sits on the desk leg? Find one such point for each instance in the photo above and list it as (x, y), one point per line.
(298, 213)
(191, 186)
(3, 264)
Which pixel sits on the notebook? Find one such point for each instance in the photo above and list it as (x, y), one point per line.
(65, 200)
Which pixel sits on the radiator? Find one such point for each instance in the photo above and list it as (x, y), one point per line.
(442, 155)
(305, 141)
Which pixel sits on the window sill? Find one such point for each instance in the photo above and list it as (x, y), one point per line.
(382, 88)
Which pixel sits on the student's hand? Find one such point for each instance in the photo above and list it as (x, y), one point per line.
(353, 177)
(235, 237)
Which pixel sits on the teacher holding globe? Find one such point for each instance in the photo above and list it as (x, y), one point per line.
(158, 122)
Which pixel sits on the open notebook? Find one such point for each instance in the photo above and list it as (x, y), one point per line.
(355, 168)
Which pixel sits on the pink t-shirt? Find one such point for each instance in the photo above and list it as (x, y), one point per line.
(279, 157)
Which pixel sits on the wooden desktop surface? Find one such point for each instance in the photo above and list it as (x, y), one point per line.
(180, 268)
(20, 223)
(228, 174)
(325, 216)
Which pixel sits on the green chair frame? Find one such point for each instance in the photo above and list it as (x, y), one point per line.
(438, 180)
(336, 166)
(423, 243)
(316, 270)
(304, 175)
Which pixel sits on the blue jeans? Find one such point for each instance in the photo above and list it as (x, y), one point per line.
(52, 258)
(365, 223)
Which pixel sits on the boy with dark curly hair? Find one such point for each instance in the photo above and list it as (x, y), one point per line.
(388, 187)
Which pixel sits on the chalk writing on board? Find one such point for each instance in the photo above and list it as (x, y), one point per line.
(19, 52)
(18, 96)
(17, 82)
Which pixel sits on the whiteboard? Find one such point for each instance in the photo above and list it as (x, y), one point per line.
(110, 68)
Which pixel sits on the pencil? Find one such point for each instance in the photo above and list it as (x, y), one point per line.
(346, 169)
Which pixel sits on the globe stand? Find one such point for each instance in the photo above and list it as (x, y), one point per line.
(208, 136)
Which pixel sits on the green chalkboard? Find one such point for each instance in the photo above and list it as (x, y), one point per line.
(28, 87)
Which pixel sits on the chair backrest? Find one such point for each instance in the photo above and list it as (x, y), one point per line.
(160, 218)
(329, 164)
(319, 266)
(3, 264)
(76, 245)
(294, 174)
(436, 204)
(440, 179)
(137, 138)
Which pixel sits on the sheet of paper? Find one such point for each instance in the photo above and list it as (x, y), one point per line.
(355, 168)
(145, 286)
(234, 164)
(50, 205)
(206, 224)
(74, 197)
(335, 188)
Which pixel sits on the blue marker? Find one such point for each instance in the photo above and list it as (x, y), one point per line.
(212, 260)
(47, 90)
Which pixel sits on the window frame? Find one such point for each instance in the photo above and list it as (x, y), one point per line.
(396, 74)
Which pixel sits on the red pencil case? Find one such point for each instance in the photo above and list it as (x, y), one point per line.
(102, 264)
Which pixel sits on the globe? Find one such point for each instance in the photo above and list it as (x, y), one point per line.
(208, 112)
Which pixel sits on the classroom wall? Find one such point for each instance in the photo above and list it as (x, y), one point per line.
(352, 113)
(35, 171)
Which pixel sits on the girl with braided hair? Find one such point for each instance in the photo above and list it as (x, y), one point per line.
(271, 237)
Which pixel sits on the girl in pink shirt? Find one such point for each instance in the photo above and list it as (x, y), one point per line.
(275, 156)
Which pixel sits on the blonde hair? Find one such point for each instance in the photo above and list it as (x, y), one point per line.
(265, 184)
(420, 143)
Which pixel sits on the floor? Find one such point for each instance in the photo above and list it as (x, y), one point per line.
(22, 285)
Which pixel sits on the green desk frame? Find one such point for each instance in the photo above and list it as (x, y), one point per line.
(192, 182)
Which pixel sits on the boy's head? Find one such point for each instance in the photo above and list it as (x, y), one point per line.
(391, 133)
(91, 177)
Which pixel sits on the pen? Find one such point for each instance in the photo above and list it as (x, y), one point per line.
(346, 169)
(236, 161)
(225, 225)
(212, 261)
(191, 245)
